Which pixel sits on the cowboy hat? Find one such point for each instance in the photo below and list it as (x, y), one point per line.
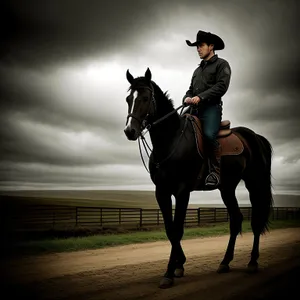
(207, 37)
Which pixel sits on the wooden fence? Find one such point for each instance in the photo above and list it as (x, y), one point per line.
(62, 217)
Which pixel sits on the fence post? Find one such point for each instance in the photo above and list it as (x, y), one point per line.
(215, 216)
(198, 215)
(158, 216)
(101, 217)
(53, 220)
(76, 216)
(119, 216)
(141, 217)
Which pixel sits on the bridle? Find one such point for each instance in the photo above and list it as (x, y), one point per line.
(144, 121)
(146, 125)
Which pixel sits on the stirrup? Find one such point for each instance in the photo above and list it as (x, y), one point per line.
(212, 179)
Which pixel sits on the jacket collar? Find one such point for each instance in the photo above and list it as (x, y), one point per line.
(210, 61)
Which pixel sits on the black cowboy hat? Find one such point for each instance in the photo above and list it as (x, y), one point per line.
(209, 38)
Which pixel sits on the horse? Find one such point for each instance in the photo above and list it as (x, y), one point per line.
(178, 166)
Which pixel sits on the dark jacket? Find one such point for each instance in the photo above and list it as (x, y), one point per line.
(210, 81)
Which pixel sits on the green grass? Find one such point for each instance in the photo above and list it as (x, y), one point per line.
(102, 241)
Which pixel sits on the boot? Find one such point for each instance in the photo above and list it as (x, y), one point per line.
(213, 178)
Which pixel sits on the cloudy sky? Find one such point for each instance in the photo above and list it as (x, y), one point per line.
(63, 83)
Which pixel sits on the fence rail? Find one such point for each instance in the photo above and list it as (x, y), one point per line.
(61, 217)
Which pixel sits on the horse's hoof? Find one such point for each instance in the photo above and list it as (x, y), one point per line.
(223, 269)
(252, 268)
(166, 283)
(179, 273)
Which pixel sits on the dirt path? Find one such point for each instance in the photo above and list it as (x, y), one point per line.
(134, 271)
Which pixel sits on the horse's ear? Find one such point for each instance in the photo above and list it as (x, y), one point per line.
(129, 77)
(148, 74)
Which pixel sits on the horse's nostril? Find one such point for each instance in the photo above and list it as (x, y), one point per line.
(130, 132)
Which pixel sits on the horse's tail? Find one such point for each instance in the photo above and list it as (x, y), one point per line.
(266, 177)
(261, 187)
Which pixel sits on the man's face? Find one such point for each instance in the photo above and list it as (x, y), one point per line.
(204, 50)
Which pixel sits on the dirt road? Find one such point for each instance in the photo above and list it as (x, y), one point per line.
(134, 271)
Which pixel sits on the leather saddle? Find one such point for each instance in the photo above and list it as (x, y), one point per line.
(230, 143)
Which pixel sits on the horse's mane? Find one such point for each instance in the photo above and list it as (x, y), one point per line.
(163, 99)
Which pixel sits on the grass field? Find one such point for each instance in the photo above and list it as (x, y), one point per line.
(101, 241)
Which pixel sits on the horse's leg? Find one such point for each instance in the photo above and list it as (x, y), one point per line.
(164, 201)
(253, 265)
(182, 200)
(236, 219)
(177, 257)
(260, 198)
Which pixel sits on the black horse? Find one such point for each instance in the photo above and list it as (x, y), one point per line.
(177, 167)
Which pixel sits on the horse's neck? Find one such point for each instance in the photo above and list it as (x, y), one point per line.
(165, 132)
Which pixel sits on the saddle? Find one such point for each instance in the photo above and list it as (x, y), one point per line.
(230, 143)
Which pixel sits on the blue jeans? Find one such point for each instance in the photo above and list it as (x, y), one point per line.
(210, 117)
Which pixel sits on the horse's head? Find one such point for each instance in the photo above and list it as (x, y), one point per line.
(140, 104)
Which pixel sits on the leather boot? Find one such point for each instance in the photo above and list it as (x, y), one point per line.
(213, 178)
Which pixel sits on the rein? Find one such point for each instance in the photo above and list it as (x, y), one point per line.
(146, 145)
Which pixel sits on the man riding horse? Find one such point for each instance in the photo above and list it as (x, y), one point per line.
(209, 83)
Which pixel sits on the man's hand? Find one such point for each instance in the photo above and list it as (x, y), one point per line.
(188, 100)
(194, 100)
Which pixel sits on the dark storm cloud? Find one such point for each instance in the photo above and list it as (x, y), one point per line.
(39, 126)
(59, 99)
(34, 142)
(35, 118)
(61, 31)
(39, 33)
(43, 104)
